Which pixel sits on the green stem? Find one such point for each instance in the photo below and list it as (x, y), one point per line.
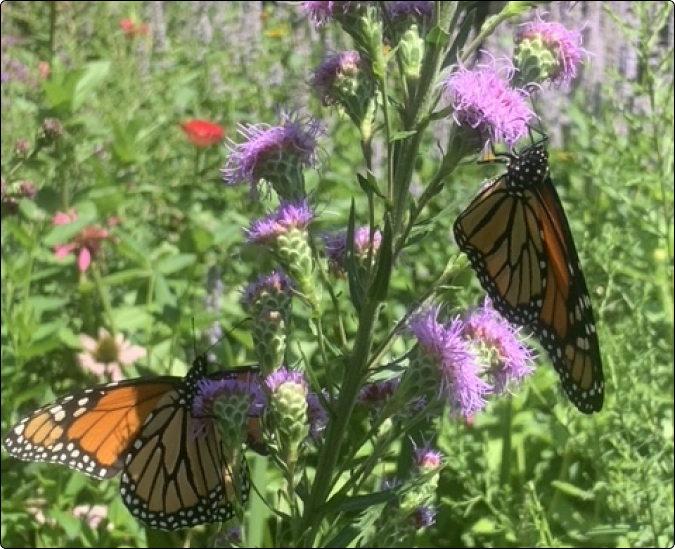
(103, 294)
(337, 427)
(507, 442)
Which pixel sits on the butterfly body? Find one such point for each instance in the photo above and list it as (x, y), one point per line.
(517, 238)
(172, 477)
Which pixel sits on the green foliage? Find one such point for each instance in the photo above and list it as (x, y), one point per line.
(529, 471)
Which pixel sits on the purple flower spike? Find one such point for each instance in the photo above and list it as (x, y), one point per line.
(565, 45)
(463, 388)
(511, 358)
(322, 12)
(269, 150)
(426, 458)
(275, 283)
(318, 418)
(208, 390)
(339, 70)
(482, 99)
(336, 246)
(288, 215)
(424, 517)
(283, 376)
(401, 9)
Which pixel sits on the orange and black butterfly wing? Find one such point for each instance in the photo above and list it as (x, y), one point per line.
(518, 241)
(89, 431)
(173, 478)
(566, 326)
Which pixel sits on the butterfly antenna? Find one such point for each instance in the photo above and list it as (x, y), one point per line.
(194, 337)
(543, 138)
(210, 347)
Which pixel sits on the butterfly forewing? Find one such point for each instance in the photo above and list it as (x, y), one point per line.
(89, 431)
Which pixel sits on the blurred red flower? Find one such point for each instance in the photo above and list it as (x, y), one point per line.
(203, 133)
(132, 28)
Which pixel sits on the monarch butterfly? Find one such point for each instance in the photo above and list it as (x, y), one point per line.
(517, 238)
(144, 428)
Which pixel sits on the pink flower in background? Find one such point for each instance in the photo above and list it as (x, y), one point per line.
(92, 515)
(85, 245)
(106, 355)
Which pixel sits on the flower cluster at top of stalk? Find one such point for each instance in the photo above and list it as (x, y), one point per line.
(452, 362)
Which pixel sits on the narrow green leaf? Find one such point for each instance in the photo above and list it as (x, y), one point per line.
(380, 286)
(175, 263)
(93, 77)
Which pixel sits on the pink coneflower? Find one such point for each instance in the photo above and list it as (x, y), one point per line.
(106, 355)
(85, 245)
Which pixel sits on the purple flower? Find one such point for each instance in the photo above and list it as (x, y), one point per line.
(564, 44)
(482, 99)
(272, 152)
(274, 284)
(336, 247)
(285, 376)
(402, 9)
(318, 418)
(288, 215)
(322, 12)
(510, 360)
(337, 73)
(228, 538)
(424, 517)
(464, 389)
(428, 459)
(209, 389)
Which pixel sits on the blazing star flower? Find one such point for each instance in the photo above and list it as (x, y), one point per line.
(336, 79)
(228, 538)
(288, 403)
(427, 459)
(12, 69)
(210, 389)
(106, 356)
(424, 517)
(227, 402)
(336, 248)
(11, 195)
(318, 418)
(285, 232)
(483, 100)
(273, 291)
(269, 300)
(203, 133)
(322, 12)
(288, 216)
(401, 9)
(85, 246)
(52, 131)
(444, 346)
(509, 359)
(548, 51)
(275, 154)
